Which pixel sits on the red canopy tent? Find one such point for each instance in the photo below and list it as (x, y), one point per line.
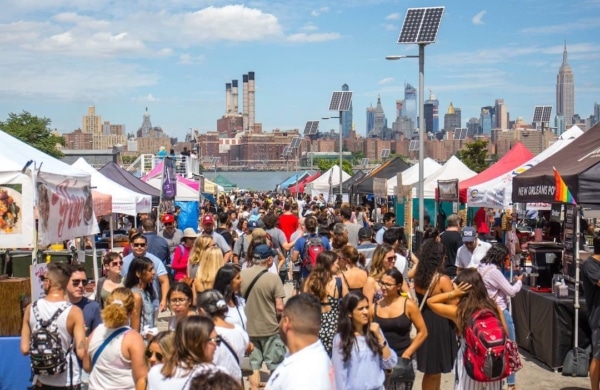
(515, 157)
(300, 186)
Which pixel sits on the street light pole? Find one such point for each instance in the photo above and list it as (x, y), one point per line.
(421, 135)
(341, 155)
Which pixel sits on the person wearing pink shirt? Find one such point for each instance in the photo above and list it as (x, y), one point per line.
(181, 254)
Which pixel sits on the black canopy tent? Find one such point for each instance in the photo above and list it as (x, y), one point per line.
(347, 185)
(126, 179)
(386, 170)
(579, 166)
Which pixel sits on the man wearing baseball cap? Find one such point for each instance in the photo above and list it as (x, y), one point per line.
(169, 232)
(472, 251)
(207, 225)
(263, 292)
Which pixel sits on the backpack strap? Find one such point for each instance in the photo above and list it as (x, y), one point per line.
(47, 323)
(226, 344)
(106, 342)
(338, 284)
(261, 273)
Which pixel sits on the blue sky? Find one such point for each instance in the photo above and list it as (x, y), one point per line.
(175, 56)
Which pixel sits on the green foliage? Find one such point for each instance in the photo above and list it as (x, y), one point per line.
(357, 157)
(33, 131)
(474, 155)
(325, 165)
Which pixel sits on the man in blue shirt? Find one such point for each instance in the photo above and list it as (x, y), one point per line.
(389, 220)
(161, 279)
(156, 245)
(310, 224)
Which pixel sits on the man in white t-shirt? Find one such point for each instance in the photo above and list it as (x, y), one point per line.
(472, 251)
(307, 365)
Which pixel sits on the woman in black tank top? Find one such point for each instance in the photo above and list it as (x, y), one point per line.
(354, 277)
(395, 314)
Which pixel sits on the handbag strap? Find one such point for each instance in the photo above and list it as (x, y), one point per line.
(230, 348)
(106, 342)
(261, 273)
(434, 279)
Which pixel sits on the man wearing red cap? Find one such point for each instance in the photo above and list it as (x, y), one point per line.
(207, 225)
(170, 233)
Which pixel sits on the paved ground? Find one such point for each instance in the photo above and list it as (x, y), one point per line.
(534, 375)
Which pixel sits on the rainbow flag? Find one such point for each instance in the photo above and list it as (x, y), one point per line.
(562, 193)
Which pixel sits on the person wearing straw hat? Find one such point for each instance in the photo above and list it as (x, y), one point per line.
(181, 254)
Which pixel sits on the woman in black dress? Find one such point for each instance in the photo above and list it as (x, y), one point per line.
(438, 352)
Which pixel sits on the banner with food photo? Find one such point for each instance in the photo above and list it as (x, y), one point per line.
(65, 208)
(16, 210)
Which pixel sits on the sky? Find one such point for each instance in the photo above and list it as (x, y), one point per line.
(175, 56)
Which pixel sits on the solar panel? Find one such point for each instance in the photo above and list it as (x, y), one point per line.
(215, 160)
(307, 128)
(364, 162)
(314, 128)
(295, 143)
(286, 151)
(542, 114)
(414, 145)
(385, 153)
(421, 25)
(340, 101)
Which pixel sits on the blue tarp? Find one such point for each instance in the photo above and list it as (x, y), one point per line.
(297, 177)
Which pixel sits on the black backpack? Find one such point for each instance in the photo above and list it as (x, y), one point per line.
(45, 347)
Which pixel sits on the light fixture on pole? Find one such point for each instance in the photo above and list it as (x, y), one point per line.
(420, 27)
(340, 102)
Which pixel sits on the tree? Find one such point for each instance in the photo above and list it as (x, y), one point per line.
(357, 157)
(325, 165)
(474, 155)
(33, 131)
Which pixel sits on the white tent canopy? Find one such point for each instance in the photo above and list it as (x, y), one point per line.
(497, 193)
(185, 193)
(410, 177)
(124, 200)
(452, 169)
(325, 182)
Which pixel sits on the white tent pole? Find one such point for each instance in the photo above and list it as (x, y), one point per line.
(112, 234)
(95, 266)
(576, 259)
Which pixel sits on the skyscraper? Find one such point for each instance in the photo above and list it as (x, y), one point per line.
(565, 90)
(431, 113)
(409, 107)
(346, 117)
(501, 115)
(91, 123)
(487, 120)
(452, 118)
(596, 114)
(379, 120)
(370, 119)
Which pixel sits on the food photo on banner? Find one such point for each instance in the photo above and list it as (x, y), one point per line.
(169, 186)
(65, 208)
(16, 211)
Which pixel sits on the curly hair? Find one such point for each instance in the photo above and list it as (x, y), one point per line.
(321, 274)
(346, 327)
(378, 260)
(495, 255)
(431, 257)
(476, 298)
(119, 305)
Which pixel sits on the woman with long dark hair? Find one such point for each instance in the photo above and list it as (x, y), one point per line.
(360, 350)
(228, 282)
(472, 296)
(194, 347)
(139, 280)
(437, 354)
(500, 290)
(323, 284)
(180, 298)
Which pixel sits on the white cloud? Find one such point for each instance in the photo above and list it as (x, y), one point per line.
(318, 37)
(309, 27)
(319, 11)
(149, 98)
(387, 80)
(188, 59)
(478, 19)
(394, 16)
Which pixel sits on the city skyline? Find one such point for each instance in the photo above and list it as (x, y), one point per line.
(176, 56)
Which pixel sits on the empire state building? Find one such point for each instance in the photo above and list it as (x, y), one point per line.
(565, 90)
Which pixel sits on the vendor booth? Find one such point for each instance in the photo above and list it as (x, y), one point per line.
(126, 179)
(292, 180)
(387, 170)
(328, 183)
(299, 188)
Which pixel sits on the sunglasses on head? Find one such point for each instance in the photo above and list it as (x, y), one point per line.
(76, 282)
(159, 356)
(138, 244)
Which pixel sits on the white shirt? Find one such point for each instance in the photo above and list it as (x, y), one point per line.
(400, 264)
(181, 379)
(309, 368)
(466, 259)
(237, 338)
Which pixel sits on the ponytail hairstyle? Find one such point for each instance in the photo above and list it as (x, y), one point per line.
(117, 308)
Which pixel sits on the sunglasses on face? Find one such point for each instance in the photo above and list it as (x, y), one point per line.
(158, 355)
(76, 282)
(391, 259)
(178, 301)
(169, 224)
(138, 244)
(117, 263)
(43, 278)
(217, 340)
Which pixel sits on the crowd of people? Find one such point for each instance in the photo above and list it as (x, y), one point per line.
(361, 310)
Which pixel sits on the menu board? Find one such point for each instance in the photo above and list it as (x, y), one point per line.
(569, 237)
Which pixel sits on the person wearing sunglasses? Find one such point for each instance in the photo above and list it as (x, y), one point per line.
(76, 294)
(113, 264)
(115, 354)
(194, 348)
(159, 346)
(384, 258)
